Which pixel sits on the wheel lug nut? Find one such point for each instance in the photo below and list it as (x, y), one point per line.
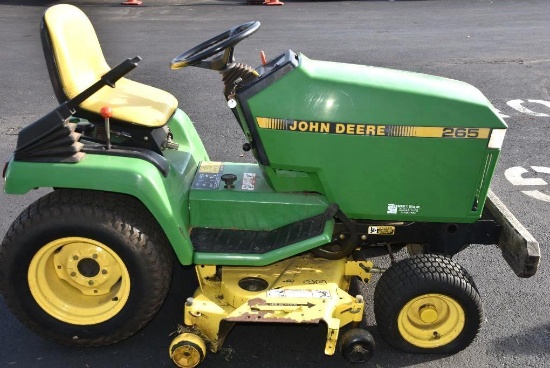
(104, 271)
(90, 282)
(73, 274)
(75, 258)
(94, 256)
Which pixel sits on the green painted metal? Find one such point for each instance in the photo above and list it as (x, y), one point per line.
(231, 259)
(250, 205)
(186, 136)
(380, 177)
(166, 198)
(370, 177)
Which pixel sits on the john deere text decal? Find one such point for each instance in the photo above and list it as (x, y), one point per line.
(372, 129)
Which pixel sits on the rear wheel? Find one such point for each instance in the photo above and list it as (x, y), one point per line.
(427, 304)
(85, 268)
(79, 281)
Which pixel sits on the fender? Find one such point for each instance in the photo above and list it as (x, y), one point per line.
(167, 198)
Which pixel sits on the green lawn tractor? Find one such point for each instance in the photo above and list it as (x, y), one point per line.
(353, 162)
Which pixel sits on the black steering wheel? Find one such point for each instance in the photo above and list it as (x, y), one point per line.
(225, 41)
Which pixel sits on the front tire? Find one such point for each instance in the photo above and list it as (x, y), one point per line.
(85, 268)
(427, 304)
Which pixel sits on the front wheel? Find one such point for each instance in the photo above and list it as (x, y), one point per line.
(85, 268)
(427, 304)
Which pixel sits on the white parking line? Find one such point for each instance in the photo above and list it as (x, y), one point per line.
(514, 176)
(537, 194)
(517, 105)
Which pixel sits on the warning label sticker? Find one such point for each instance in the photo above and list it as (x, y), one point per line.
(249, 181)
(298, 293)
(211, 167)
(403, 209)
(208, 176)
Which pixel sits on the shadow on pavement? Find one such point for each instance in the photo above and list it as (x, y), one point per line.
(532, 341)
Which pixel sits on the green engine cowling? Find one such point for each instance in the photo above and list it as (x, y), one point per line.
(382, 144)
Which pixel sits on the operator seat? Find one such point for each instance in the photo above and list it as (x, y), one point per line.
(75, 61)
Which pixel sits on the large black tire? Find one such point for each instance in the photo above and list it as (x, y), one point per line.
(427, 304)
(101, 254)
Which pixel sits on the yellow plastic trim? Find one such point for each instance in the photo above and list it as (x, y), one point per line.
(431, 320)
(66, 289)
(80, 63)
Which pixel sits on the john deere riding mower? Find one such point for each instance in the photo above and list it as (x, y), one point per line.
(353, 162)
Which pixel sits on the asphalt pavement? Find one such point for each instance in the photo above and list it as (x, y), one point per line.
(501, 47)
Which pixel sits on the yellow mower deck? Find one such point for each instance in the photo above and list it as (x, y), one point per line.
(301, 289)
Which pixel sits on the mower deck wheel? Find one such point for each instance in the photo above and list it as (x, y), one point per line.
(357, 345)
(187, 350)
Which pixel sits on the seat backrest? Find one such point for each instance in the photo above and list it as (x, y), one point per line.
(75, 62)
(73, 54)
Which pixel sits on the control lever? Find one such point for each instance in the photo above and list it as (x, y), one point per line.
(106, 112)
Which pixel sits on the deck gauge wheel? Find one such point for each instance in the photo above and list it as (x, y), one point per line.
(187, 350)
(357, 345)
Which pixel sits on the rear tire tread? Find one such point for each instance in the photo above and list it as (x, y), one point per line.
(146, 235)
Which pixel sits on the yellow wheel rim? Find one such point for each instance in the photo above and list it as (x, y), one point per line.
(79, 281)
(431, 320)
(187, 350)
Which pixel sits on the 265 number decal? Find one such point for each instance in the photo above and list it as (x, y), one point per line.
(460, 133)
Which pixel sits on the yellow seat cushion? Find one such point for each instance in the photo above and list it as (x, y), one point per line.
(80, 63)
